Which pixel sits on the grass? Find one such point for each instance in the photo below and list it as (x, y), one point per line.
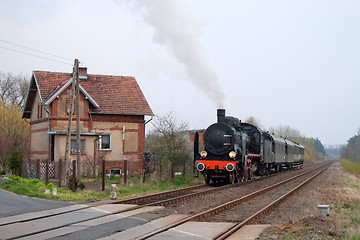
(352, 210)
(350, 166)
(354, 213)
(350, 237)
(36, 188)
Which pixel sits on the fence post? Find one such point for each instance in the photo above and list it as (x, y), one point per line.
(184, 167)
(103, 174)
(29, 169)
(47, 172)
(144, 167)
(125, 172)
(143, 175)
(38, 175)
(60, 172)
(73, 176)
(160, 170)
(172, 169)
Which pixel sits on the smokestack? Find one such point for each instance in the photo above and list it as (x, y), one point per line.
(221, 115)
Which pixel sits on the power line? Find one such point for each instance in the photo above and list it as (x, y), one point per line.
(35, 50)
(33, 55)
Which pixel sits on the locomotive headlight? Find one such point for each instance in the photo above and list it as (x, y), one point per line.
(200, 167)
(232, 154)
(230, 167)
(203, 154)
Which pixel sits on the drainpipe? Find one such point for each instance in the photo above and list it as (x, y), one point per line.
(49, 145)
(96, 155)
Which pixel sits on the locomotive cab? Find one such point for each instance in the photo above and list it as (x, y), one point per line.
(222, 150)
(235, 151)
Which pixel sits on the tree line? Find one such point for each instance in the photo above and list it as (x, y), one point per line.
(352, 149)
(14, 131)
(314, 149)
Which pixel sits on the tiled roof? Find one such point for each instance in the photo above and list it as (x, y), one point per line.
(113, 94)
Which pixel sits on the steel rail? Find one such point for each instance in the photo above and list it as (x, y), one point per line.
(267, 208)
(138, 199)
(159, 195)
(123, 201)
(161, 202)
(223, 207)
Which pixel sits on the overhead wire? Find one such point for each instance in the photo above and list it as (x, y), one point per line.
(35, 50)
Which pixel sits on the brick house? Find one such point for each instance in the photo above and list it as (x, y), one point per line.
(112, 119)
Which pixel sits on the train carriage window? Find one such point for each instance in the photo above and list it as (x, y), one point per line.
(257, 137)
(273, 147)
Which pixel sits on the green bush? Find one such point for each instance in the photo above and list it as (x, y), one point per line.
(350, 166)
(50, 186)
(70, 179)
(81, 186)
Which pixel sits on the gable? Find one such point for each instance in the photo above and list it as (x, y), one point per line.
(65, 86)
(108, 94)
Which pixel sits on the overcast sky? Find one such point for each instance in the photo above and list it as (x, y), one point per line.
(284, 62)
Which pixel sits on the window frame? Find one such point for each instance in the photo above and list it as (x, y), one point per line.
(82, 145)
(101, 142)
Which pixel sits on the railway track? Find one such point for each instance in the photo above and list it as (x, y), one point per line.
(155, 199)
(133, 200)
(231, 204)
(271, 205)
(151, 200)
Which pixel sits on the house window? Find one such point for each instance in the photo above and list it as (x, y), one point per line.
(74, 146)
(105, 143)
(68, 107)
(39, 113)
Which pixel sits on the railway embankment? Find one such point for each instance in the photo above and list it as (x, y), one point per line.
(300, 218)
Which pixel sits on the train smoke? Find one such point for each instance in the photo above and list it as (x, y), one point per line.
(176, 31)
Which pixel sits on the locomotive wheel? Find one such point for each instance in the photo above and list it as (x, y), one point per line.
(232, 177)
(237, 177)
(207, 178)
(250, 173)
(246, 174)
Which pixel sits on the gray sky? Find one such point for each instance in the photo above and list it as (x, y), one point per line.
(284, 62)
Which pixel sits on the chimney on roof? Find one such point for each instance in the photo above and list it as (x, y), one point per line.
(83, 72)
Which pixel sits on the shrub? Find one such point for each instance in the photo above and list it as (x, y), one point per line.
(50, 186)
(350, 166)
(81, 186)
(70, 183)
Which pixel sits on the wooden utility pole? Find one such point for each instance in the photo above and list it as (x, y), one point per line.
(70, 111)
(78, 152)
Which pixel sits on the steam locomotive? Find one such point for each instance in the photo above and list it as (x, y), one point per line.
(235, 151)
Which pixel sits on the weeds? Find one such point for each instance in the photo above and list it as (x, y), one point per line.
(350, 237)
(350, 166)
(36, 188)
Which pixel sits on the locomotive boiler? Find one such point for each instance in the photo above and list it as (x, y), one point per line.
(235, 151)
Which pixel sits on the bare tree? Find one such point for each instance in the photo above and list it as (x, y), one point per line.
(285, 131)
(170, 143)
(252, 120)
(13, 88)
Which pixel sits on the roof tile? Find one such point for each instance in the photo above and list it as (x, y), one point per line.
(114, 94)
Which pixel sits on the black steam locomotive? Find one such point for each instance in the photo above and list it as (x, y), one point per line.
(236, 151)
